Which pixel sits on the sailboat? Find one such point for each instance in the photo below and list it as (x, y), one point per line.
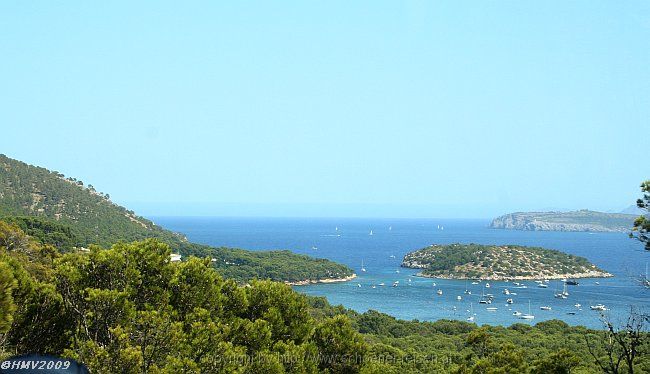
(484, 299)
(471, 316)
(363, 268)
(562, 295)
(467, 292)
(529, 315)
(371, 233)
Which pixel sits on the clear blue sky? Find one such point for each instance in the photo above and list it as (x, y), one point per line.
(348, 108)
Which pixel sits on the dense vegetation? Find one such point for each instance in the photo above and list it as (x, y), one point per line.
(128, 309)
(468, 261)
(580, 220)
(63, 212)
(27, 190)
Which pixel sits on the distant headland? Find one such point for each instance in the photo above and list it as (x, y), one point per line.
(502, 262)
(580, 220)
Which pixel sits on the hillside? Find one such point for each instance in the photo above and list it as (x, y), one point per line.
(475, 261)
(65, 212)
(580, 220)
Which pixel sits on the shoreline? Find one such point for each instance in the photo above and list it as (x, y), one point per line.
(594, 274)
(325, 280)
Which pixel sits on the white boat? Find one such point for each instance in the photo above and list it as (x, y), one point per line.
(474, 282)
(397, 271)
(363, 268)
(373, 286)
(439, 292)
(562, 295)
(392, 256)
(491, 309)
(545, 307)
(459, 298)
(516, 313)
(471, 311)
(371, 233)
(597, 283)
(509, 301)
(359, 284)
(433, 284)
(506, 292)
(395, 283)
(564, 291)
(487, 285)
(600, 307)
(577, 305)
(529, 315)
(542, 285)
(382, 284)
(390, 228)
(314, 247)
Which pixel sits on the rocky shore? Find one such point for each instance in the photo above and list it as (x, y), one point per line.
(581, 220)
(495, 277)
(326, 280)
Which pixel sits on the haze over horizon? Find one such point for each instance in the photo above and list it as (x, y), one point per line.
(388, 109)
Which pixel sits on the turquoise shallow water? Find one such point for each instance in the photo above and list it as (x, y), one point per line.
(382, 252)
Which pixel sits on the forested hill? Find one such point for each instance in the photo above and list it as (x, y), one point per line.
(27, 190)
(579, 220)
(67, 213)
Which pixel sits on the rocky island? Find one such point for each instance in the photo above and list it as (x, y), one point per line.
(580, 220)
(499, 262)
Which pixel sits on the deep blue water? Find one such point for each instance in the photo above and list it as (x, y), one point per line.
(382, 252)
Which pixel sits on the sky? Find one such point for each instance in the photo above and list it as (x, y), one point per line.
(447, 109)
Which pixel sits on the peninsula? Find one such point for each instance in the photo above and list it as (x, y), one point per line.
(499, 262)
(579, 220)
(68, 214)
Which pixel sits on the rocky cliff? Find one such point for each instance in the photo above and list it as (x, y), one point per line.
(581, 220)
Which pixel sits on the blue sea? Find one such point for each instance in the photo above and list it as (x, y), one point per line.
(348, 241)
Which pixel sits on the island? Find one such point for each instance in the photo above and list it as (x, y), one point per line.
(499, 262)
(580, 220)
